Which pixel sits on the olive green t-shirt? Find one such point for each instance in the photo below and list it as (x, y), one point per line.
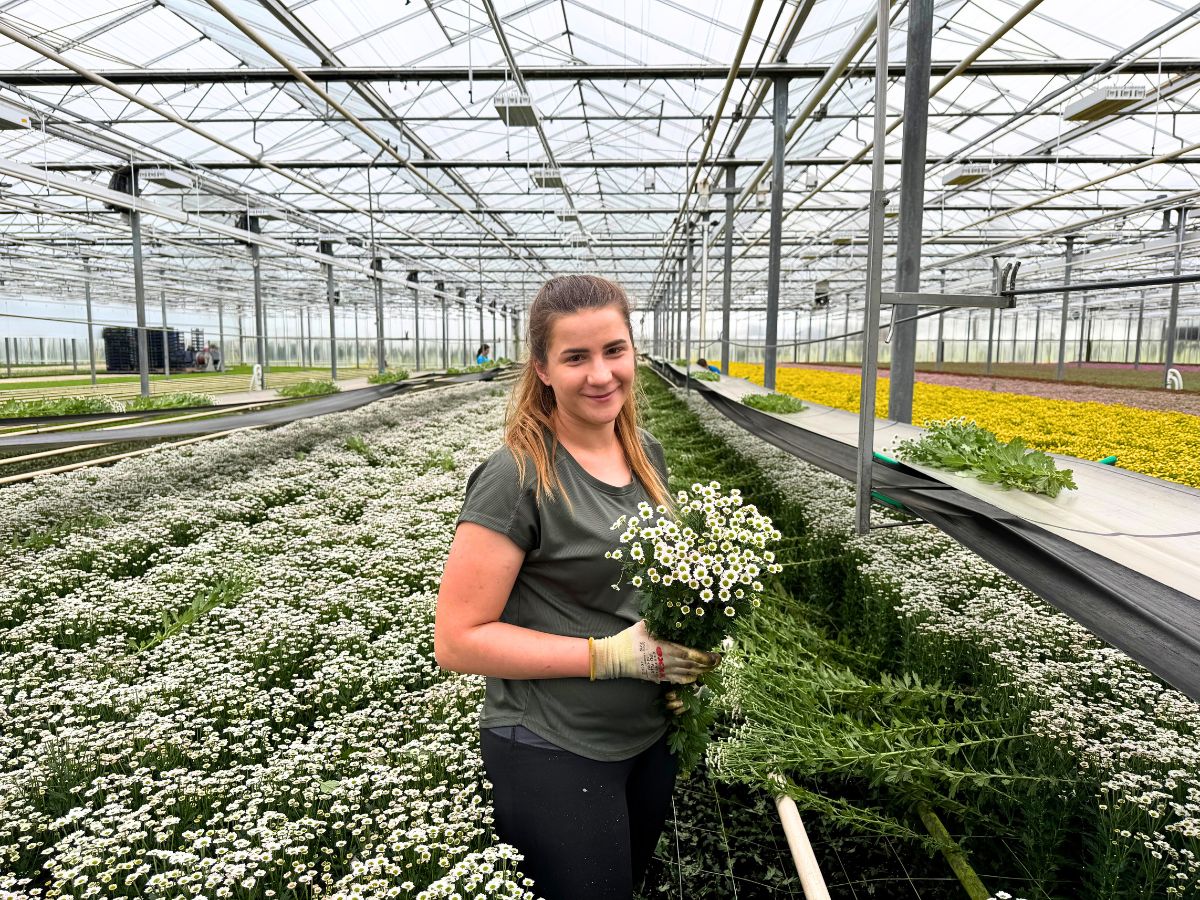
(564, 587)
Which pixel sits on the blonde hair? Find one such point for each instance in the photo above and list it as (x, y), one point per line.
(531, 407)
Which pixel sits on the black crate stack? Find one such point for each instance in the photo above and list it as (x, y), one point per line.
(121, 352)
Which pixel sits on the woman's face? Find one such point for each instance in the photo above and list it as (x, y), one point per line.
(590, 364)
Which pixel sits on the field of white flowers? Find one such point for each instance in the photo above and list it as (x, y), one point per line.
(217, 680)
(217, 677)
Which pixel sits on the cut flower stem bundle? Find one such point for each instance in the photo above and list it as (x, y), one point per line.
(698, 568)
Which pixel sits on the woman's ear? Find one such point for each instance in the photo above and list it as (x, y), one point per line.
(541, 373)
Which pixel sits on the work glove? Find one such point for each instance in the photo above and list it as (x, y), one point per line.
(634, 653)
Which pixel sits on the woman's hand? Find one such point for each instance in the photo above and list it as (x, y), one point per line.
(635, 653)
(674, 703)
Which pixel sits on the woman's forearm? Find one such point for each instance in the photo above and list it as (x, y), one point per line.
(501, 650)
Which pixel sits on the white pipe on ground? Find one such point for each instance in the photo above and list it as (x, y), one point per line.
(811, 879)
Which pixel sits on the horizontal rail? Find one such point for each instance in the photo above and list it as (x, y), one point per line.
(572, 73)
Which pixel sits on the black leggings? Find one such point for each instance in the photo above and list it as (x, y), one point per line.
(587, 828)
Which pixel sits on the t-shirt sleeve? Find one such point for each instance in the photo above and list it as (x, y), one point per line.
(500, 501)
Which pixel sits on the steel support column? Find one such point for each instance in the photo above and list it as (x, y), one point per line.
(87, 299)
(380, 350)
(440, 288)
(704, 287)
(462, 305)
(991, 339)
(679, 307)
(690, 268)
(779, 112)
(912, 201)
(1173, 312)
(727, 276)
(1137, 346)
(866, 400)
(139, 296)
(331, 296)
(357, 358)
(162, 299)
(1066, 309)
(1037, 333)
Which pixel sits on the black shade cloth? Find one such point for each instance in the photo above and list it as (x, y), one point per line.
(1153, 623)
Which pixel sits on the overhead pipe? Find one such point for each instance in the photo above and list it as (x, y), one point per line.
(991, 40)
(685, 209)
(171, 116)
(371, 96)
(510, 57)
(383, 145)
(962, 66)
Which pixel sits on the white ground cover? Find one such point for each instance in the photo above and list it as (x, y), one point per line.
(217, 677)
(1138, 739)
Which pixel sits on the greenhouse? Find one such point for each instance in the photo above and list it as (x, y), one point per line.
(435, 460)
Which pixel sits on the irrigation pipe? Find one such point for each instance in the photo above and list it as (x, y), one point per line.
(811, 879)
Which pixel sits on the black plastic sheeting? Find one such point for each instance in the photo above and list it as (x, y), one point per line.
(279, 415)
(1154, 624)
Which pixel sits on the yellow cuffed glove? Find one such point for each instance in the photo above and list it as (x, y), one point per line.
(635, 653)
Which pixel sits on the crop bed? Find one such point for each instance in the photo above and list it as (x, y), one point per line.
(218, 676)
(218, 682)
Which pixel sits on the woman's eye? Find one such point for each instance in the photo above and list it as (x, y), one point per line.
(575, 358)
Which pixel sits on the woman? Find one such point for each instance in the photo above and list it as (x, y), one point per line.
(573, 729)
(483, 355)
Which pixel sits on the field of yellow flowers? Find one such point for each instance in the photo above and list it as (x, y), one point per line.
(1163, 444)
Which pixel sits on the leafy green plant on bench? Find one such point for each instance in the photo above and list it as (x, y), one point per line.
(313, 388)
(962, 446)
(389, 377)
(774, 403)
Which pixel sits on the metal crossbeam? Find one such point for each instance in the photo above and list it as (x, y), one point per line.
(572, 73)
(920, 298)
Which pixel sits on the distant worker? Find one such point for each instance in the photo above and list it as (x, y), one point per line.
(483, 355)
(214, 359)
(705, 364)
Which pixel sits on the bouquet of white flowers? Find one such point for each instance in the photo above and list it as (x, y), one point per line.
(699, 569)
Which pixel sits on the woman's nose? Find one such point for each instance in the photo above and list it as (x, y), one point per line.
(600, 372)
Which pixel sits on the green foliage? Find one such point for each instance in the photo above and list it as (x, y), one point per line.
(962, 446)
(389, 377)
(313, 388)
(682, 362)
(863, 715)
(356, 444)
(774, 403)
(181, 400)
(224, 591)
(438, 459)
(472, 369)
(57, 406)
(706, 376)
(60, 531)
